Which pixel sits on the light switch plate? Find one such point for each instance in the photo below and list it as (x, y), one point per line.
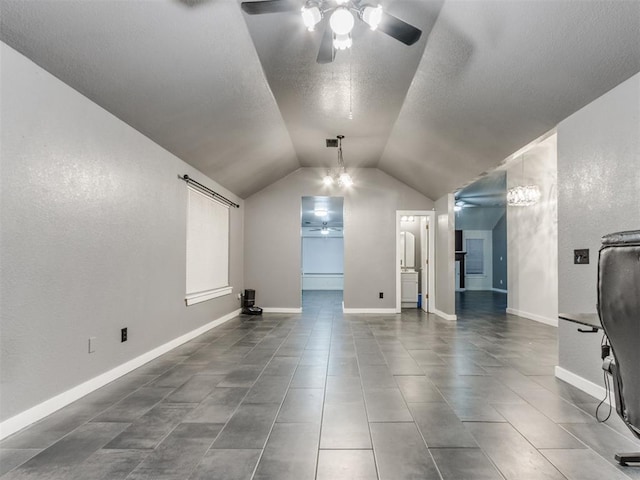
(581, 257)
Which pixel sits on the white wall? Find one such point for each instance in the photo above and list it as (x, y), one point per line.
(322, 254)
(445, 304)
(323, 262)
(599, 193)
(272, 247)
(532, 238)
(93, 239)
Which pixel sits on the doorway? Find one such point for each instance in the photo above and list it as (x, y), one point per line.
(481, 245)
(322, 251)
(415, 260)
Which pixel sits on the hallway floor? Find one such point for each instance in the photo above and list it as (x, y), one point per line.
(330, 396)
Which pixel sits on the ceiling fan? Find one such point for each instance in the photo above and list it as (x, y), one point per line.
(325, 229)
(341, 14)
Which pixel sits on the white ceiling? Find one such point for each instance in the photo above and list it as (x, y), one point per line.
(332, 205)
(242, 99)
(312, 224)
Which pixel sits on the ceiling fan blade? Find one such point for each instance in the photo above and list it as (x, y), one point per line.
(327, 53)
(269, 6)
(399, 29)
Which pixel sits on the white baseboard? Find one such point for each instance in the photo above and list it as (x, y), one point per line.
(281, 310)
(446, 316)
(384, 311)
(533, 316)
(583, 384)
(409, 305)
(33, 414)
(499, 290)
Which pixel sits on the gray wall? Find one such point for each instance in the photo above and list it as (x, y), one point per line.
(499, 238)
(532, 236)
(272, 236)
(93, 239)
(445, 256)
(599, 193)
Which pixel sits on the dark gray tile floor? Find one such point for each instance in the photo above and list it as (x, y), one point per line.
(322, 395)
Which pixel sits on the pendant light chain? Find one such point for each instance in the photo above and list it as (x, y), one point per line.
(350, 90)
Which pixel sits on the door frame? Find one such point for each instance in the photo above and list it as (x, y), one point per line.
(430, 256)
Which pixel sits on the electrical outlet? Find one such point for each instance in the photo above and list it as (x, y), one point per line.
(381, 295)
(123, 335)
(581, 257)
(239, 296)
(92, 344)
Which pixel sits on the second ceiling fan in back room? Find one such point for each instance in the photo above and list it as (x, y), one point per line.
(325, 229)
(342, 15)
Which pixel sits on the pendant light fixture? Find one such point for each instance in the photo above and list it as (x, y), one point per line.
(339, 174)
(523, 195)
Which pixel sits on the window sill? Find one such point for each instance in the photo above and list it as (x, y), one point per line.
(198, 297)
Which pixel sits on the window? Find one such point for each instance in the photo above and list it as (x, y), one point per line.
(475, 256)
(207, 248)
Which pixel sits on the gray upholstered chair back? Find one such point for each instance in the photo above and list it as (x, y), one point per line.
(619, 310)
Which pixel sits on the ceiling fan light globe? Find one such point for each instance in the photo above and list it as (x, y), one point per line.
(311, 16)
(324, 231)
(372, 16)
(341, 21)
(327, 180)
(342, 42)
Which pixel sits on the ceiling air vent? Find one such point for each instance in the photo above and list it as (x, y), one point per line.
(332, 142)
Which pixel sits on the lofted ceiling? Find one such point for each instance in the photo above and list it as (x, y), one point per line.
(488, 191)
(242, 98)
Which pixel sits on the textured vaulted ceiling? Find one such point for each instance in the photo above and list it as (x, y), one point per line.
(242, 99)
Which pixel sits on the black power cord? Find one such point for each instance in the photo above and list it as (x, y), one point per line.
(605, 351)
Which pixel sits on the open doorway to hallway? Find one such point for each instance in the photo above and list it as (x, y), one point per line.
(322, 250)
(481, 245)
